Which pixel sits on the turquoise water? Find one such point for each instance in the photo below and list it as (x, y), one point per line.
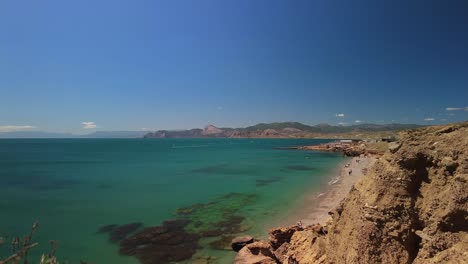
(75, 186)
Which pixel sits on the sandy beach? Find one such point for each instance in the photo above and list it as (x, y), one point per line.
(317, 206)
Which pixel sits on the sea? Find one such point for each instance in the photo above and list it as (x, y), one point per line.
(77, 190)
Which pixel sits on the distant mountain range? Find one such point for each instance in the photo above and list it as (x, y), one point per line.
(262, 130)
(277, 130)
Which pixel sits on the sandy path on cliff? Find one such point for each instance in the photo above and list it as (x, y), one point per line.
(318, 205)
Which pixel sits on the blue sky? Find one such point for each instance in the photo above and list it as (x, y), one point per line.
(79, 66)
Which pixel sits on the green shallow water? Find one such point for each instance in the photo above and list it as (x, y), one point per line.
(74, 186)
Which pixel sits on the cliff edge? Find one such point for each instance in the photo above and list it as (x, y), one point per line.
(412, 207)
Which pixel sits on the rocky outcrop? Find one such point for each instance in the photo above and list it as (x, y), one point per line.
(256, 253)
(411, 207)
(211, 130)
(283, 235)
(238, 243)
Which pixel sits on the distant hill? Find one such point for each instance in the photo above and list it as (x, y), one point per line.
(262, 130)
(278, 130)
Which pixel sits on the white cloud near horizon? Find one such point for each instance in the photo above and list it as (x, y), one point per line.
(357, 121)
(88, 125)
(429, 119)
(11, 128)
(342, 123)
(457, 108)
(339, 115)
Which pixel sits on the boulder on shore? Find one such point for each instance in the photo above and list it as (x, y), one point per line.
(239, 242)
(258, 252)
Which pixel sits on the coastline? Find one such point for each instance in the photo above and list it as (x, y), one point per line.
(313, 206)
(318, 205)
(409, 202)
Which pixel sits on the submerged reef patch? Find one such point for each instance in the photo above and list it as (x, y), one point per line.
(161, 244)
(118, 233)
(177, 239)
(218, 217)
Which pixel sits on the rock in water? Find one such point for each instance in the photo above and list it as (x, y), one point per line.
(239, 242)
(120, 232)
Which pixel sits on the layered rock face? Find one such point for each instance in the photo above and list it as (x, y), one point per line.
(411, 207)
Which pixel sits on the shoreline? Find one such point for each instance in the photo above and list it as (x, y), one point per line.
(313, 206)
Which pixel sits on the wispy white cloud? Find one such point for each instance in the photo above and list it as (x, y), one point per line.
(88, 125)
(342, 123)
(339, 115)
(457, 108)
(11, 128)
(357, 121)
(429, 119)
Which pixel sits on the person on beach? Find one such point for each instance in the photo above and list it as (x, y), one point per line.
(350, 171)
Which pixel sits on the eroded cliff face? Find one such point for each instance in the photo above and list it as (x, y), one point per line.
(412, 207)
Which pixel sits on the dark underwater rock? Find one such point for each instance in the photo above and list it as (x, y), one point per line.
(107, 228)
(120, 232)
(161, 244)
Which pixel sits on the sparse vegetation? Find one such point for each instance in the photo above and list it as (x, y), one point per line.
(20, 248)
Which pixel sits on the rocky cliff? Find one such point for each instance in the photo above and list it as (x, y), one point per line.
(412, 207)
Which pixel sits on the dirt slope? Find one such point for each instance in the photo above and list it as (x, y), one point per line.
(412, 207)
